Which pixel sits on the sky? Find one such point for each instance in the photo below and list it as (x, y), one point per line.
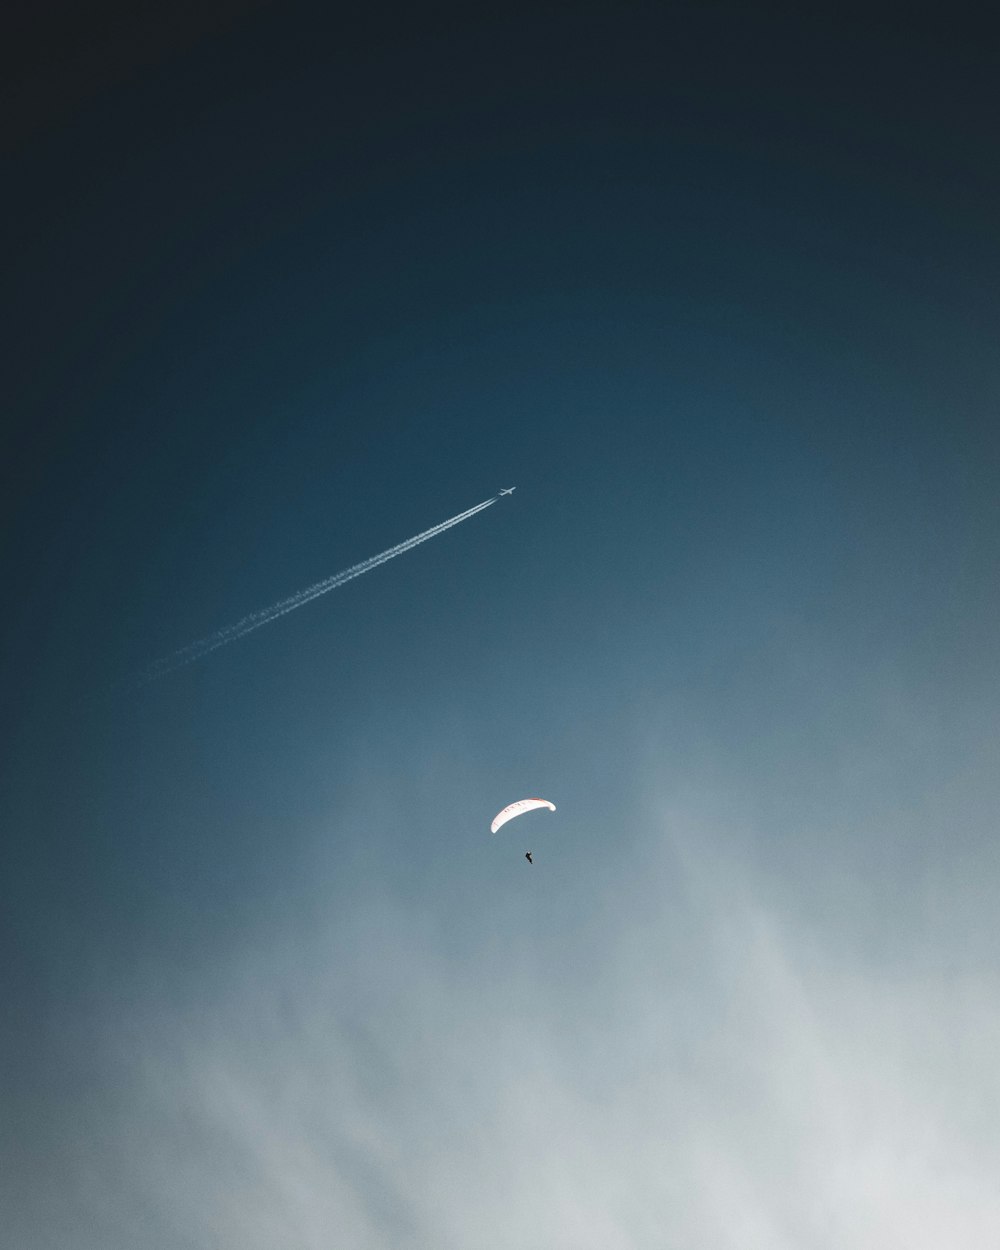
(714, 286)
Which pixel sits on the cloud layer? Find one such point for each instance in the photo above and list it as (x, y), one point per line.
(717, 1073)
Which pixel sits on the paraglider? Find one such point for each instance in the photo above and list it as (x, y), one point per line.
(518, 809)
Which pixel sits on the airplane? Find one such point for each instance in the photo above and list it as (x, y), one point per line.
(509, 491)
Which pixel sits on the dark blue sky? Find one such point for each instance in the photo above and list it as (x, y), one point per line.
(715, 287)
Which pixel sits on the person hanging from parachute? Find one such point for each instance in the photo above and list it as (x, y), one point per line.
(518, 809)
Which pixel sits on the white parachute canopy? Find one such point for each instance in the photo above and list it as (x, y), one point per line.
(518, 809)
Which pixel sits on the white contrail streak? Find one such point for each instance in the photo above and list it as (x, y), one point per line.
(229, 633)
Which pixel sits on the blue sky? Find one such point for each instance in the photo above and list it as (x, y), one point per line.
(715, 290)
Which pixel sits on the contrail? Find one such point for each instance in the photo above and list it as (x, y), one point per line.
(229, 633)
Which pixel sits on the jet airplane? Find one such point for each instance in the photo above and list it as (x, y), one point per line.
(509, 491)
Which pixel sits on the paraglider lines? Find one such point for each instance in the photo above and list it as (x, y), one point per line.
(230, 633)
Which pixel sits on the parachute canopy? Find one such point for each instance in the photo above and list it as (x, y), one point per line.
(518, 809)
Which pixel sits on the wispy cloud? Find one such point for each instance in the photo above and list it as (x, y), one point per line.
(724, 1076)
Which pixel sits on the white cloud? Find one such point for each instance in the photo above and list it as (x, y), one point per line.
(720, 1075)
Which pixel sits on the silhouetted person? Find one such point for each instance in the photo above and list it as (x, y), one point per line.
(527, 856)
